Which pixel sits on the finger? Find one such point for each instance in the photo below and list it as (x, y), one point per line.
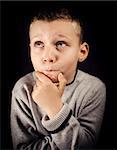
(42, 77)
(56, 84)
(62, 83)
(34, 87)
(38, 83)
(33, 92)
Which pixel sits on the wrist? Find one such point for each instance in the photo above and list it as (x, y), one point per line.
(54, 110)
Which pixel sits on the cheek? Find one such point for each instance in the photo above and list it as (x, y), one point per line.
(35, 61)
(69, 72)
(70, 61)
(70, 65)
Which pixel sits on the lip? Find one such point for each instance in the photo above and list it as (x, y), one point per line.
(51, 71)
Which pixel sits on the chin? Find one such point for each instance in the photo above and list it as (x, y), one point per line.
(52, 75)
(53, 78)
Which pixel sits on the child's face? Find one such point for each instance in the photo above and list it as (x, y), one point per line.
(55, 47)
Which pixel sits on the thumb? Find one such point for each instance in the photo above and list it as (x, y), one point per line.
(62, 83)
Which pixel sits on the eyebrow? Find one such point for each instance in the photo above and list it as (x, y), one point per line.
(58, 35)
(36, 36)
(63, 36)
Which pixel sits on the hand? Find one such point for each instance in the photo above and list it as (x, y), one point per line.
(47, 95)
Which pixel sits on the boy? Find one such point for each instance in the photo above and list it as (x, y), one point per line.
(57, 106)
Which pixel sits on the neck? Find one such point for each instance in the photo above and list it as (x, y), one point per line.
(72, 78)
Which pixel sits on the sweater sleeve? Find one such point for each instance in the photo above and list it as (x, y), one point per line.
(81, 131)
(25, 134)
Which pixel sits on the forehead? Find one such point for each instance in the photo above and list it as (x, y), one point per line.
(57, 27)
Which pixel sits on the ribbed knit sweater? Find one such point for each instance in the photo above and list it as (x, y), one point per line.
(76, 125)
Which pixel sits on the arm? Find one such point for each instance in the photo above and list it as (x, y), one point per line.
(79, 131)
(23, 128)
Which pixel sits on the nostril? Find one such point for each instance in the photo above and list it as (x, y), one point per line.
(51, 60)
(48, 60)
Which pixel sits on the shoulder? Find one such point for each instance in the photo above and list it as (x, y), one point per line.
(90, 90)
(90, 85)
(87, 79)
(26, 81)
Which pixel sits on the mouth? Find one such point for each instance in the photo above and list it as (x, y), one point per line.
(51, 71)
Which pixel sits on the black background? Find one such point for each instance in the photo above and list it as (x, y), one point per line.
(100, 26)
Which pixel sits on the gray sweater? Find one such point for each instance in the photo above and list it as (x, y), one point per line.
(76, 125)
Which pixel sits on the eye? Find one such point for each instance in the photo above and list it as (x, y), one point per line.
(38, 44)
(60, 44)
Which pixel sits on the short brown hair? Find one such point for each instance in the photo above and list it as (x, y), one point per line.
(50, 14)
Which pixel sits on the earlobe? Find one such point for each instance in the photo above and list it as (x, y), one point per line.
(29, 44)
(84, 50)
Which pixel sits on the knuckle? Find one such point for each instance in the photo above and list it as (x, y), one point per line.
(37, 83)
(33, 95)
(64, 81)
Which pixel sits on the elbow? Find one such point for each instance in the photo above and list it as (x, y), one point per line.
(86, 140)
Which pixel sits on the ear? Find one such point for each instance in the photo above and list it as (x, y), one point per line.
(30, 45)
(83, 53)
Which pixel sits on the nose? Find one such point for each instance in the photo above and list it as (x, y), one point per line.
(49, 56)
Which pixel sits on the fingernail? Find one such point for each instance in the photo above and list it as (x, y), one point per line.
(60, 74)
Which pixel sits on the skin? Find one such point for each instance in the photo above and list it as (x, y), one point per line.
(55, 50)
